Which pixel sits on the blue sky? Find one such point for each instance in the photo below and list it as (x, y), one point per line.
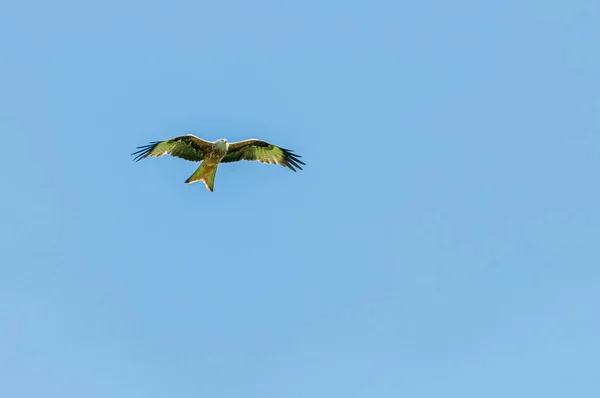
(442, 240)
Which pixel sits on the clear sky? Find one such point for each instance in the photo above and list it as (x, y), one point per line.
(443, 239)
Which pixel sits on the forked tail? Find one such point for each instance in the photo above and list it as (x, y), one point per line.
(205, 173)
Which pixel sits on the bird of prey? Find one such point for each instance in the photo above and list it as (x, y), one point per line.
(211, 154)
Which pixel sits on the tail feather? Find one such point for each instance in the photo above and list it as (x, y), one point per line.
(205, 173)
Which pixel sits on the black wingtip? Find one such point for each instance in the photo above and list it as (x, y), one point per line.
(292, 160)
(144, 150)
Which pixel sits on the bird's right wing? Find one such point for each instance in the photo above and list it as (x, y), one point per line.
(263, 152)
(188, 147)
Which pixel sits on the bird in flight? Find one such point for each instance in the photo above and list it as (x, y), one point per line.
(211, 154)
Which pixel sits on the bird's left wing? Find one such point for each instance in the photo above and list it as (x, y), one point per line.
(188, 147)
(256, 150)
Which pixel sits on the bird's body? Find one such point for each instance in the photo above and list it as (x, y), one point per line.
(211, 154)
(217, 151)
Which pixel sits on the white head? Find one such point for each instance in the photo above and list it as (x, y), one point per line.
(220, 143)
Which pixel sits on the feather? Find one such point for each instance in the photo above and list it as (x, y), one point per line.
(263, 152)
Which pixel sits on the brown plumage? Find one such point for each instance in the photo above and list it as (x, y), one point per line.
(194, 149)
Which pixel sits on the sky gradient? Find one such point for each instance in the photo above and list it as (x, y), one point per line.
(443, 239)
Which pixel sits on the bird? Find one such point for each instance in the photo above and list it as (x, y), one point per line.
(212, 153)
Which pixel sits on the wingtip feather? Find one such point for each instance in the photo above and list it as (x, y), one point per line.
(144, 150)
(292, 160)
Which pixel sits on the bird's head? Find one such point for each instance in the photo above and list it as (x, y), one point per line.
(220, 143)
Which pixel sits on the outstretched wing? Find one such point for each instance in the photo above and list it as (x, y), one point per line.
(188, 147)
(263, 152)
